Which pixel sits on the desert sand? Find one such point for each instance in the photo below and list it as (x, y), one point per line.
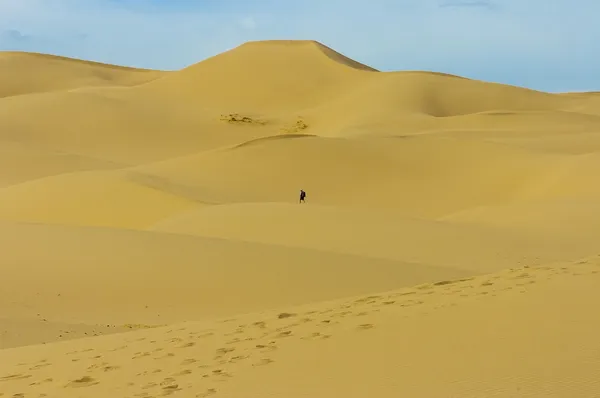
(153, 243)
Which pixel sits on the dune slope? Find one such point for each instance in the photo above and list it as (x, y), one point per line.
(103, 275)
(478, 246)
(495, 335)
(26, 73)
(274, 76)
(410, 175)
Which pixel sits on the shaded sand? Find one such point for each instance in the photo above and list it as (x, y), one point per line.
(410, 175)
(474, 247)
(104, 275)
(153, 245)
(116, 201)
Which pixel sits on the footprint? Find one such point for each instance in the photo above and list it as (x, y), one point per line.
(411, 303)
(365, 326)
(285, 315)
(188, 361)
(238, 358)
(96, 366)
(140, 355)
(316, 335)
(167, 355)
(207, 393)
(263, 362)
(220, 372)
(405, 294)
(167, 381)
(14, 377)
(341, 314)
(205, 335)
(187, 345)
(149, 385)
(37, 383)
(365, 299)
(287, 333)
(40, 365)
(443, 283)
(224, 350)
(85, 381)
(183, 373)
(110, 368)
(525, 283)
(171, 389)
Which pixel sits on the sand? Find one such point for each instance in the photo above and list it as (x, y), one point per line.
(153, 243)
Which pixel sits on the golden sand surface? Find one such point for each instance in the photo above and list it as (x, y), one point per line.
(153, 243)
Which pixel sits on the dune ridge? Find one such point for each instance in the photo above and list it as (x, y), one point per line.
(154, 245)
(26, 73)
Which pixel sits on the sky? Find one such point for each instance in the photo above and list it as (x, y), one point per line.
(549, 45)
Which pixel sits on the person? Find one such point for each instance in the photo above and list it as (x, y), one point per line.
(302, 196)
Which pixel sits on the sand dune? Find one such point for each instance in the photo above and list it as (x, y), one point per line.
(96, 198)
(274, 76)
(153, 243)
(26, 73)
(493, 335)
(116, 276)
(477, 247)
(410, 175)
(22, 162)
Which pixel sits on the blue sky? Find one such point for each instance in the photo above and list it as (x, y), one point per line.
(551, 45)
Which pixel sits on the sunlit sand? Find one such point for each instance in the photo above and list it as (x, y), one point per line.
(153, 242)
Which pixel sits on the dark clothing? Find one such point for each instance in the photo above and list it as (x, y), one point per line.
(302, 196)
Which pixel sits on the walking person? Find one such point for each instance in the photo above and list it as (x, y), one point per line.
(302, 196)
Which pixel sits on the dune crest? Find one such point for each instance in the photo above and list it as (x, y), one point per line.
(329, 52)
(26, 73)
